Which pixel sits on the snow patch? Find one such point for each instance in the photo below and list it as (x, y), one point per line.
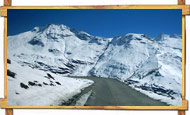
(83, 99)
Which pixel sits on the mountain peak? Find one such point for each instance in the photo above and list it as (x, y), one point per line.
(164, 36)
(37, 29)
(50, 27)
(133, 34)
(58, 27)
(56, 31)
(176, 36)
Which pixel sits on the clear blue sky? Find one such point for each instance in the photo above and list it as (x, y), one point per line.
(105, 23)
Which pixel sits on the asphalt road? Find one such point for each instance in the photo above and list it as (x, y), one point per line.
(110, 92)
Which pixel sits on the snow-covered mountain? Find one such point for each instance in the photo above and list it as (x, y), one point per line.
(56, 48)
(151, 65)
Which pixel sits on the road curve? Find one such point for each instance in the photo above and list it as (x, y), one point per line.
(111, 92)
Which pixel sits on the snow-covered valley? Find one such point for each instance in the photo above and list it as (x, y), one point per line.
(40, 58)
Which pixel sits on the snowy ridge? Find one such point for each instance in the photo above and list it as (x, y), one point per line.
(57, 48)
(150, 65)
(146, 64)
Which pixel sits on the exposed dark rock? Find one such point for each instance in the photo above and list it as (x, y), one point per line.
(49, 75)
(35, 83)
(10, 73)
(69, 53)
(63, 68)
(32, 83)
(78, 62)
(54, 51)
(65, 72)
(157, 73)
(17, 93)
(58, 83)
(36, 41)
(131, 81)
(69, 65)
(45, 67)
(52, 84)
(45, 83)
(8, 61)
(95, 40)
(22, 85)
(56, 71)
(80, 35)
(160, 90)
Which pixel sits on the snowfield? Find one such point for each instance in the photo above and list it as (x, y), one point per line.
(151, 66)
(38, 89)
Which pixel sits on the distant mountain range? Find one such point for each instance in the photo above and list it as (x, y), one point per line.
(153, 65)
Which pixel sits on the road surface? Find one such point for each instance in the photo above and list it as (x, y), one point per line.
(111, 92)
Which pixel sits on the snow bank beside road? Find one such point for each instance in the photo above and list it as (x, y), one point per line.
(173, 102)
(31, 87)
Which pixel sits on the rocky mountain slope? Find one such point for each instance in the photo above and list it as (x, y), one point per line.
(151, 65)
